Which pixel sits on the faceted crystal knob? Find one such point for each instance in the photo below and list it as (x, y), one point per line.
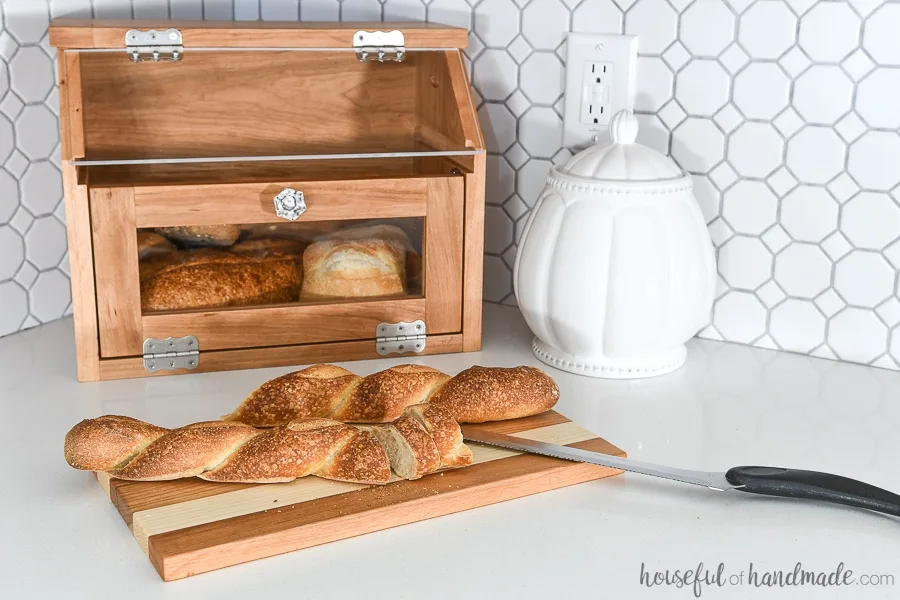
(289, 204)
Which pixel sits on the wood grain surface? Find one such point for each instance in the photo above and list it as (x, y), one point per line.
(192, 526)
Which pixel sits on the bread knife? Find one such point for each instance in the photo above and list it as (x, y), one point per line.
(769, 481)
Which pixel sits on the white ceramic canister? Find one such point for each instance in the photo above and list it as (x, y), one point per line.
(615, 269)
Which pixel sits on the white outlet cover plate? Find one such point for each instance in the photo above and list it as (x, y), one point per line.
(582, 48)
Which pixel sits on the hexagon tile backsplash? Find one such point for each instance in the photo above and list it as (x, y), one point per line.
(784, 111)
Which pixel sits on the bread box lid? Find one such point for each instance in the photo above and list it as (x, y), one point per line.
(623, 160)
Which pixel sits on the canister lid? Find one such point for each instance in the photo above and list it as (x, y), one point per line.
(623, 160)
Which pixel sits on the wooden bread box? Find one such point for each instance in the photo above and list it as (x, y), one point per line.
(249, 194)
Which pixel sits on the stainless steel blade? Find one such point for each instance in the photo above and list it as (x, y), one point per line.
(712, 480)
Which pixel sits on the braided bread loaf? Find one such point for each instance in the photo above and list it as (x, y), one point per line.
(130, 449)
(475, 395)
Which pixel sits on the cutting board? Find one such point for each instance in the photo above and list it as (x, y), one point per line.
(191, 526)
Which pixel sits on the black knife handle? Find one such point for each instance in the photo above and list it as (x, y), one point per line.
(812, 485)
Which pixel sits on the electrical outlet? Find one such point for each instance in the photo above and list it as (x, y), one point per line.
(600, 73)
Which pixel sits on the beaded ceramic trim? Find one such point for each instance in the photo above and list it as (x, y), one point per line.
(618, 372)
(653, 188)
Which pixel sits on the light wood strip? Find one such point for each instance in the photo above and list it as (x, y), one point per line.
(118, 287)
(443, 255)
(276, 356)
(103, 479)
(265, 497)
(174, 205)
(473, 265)
(83, 33)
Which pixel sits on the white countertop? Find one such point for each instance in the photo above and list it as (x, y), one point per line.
(730, 405)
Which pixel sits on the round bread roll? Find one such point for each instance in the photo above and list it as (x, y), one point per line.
(152, 244)
(202, 235)
(353, 269)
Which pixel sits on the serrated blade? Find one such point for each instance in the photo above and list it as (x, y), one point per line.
(712, 480)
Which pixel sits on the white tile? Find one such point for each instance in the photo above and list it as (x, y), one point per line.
(12, 252)
(788, 122)
(676, 55)
(803, 270)
(518, 103)
(857, 335)
(520, 49)
(702, 87)
(498, 126)
(152, 9)
(26, 274)
(781, 181)
(497, 279)
(545, 23)
(836, 245)
(223, 10)
(872, 98)
(50, 295)
(562, 157)
(816, 154)
(542, 77)
(697, 145)
(708, 197)
(187, 9)
(749, 207)
(531, 178)
(324, 10)
(850, 127)
(451, 12)
(652, 133)
(16, 164)
(755, 149)
(745, 263)
(14, 301)
(823, 94)
(540, 132)
(9, 196)
(829, 302)
(728, 118)
(797, 325)
(654, 22)
(41, 188)
(809, 213)
(516, 155)
(45, 242)
(515, 208)
(31, 74)
(6, 139)
(404, 10)
(495, 74)
(27, 21)
(889, 311)
(509, 256)
(360, 10)
(654, 84)
(761, 91)
(880, 38)
(739, 6)
(723, 176)
(858, 64)
(871, 220)
(734, 58)
(770, 293)
(776, 239)
(672, 114)
(739, 317)
(873, 160)
(500, 181)
(843, 187)
(117, 9)
(498, 230)
(767, 29)
(707, 27)
(597, 16)
(892, 253)
(21, 220)
(794, 61)
(829, 31)
(720, 232)
(864, 278)
(11, 106)
(37, 132)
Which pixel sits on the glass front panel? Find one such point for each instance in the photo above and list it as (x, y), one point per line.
(220, 266)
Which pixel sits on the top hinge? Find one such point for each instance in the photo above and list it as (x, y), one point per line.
(379, 45)
(154, 45)
(401, 337)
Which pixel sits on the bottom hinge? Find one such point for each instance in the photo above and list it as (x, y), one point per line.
(399, 338)
(171, 354)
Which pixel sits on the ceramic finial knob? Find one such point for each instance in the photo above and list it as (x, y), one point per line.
(623, 128)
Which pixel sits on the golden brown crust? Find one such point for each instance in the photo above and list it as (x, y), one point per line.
(186, 451)
(382, 397)
(312, 392)
(215, 279)
(425, 452)
(361, 460)
(264, 247)
(152, 244)
(444, 431)
(353, 269)
(481, 394)
(107, 442)
(211, 235)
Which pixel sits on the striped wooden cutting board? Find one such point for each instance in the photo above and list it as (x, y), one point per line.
(192, 526)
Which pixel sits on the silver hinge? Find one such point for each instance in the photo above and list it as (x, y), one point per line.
(171, 353)
(154, 45)
(391, 338)
(379, 45)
